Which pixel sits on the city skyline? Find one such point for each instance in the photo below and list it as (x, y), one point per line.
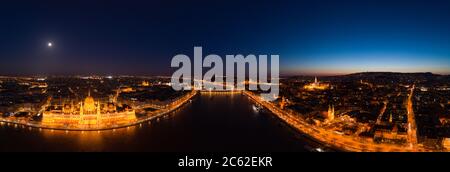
(217, 84)
(364, 112)
(312, 38)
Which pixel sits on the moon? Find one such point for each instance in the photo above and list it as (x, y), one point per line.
(49, 44)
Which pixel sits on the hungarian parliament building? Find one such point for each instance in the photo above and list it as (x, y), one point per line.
(88, 113)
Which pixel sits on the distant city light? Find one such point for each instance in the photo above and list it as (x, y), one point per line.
(319, 150)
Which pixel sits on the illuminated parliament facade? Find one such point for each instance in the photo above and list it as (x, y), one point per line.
(88, 113)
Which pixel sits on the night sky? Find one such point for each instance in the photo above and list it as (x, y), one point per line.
(140, 38)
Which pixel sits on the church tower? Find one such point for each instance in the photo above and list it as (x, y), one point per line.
(330, 116)
(390, 117)
(283, 102)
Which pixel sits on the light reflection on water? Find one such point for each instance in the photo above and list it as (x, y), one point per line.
(88, 140)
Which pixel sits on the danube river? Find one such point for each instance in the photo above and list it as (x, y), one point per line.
(211, 122)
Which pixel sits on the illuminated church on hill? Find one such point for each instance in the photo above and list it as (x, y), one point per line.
(316, 85)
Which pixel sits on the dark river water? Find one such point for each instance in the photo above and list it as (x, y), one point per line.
(211, 122)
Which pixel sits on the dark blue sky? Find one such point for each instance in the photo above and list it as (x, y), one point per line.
(138, 37)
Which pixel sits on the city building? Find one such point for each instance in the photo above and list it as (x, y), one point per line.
(330, 114)
(88, 113)
(316, 85)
